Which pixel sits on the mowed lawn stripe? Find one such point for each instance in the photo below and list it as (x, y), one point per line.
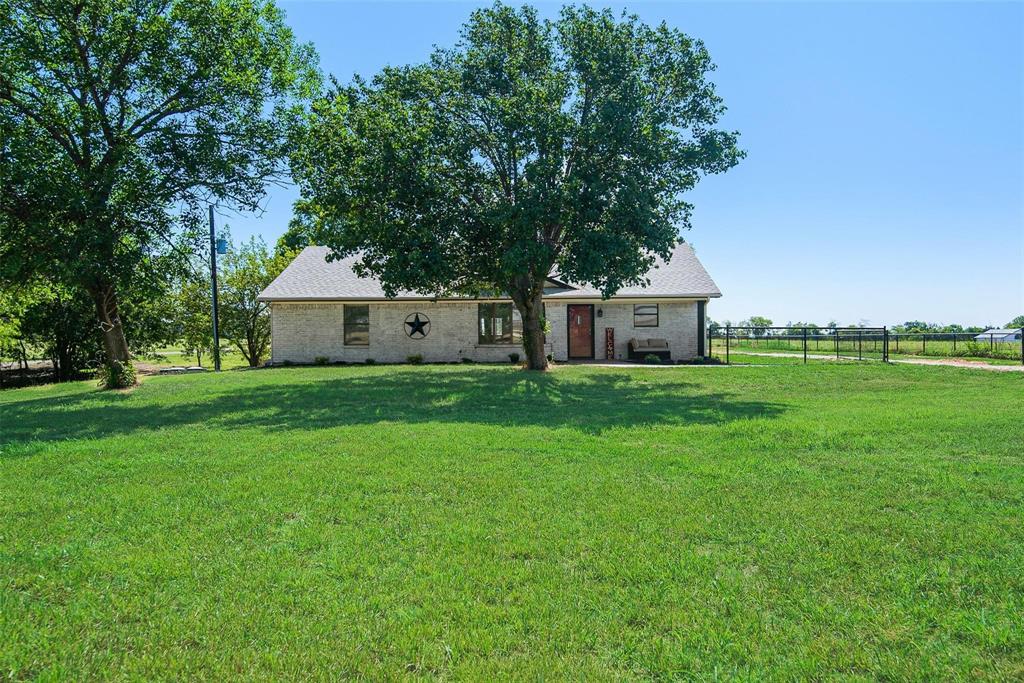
(834, 519)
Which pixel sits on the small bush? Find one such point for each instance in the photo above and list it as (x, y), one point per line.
(117, 375)
(703, 360)
(414, 359)
(651, 359)
(551, 358)
(287, 363)
(985, 350)
(321, 360)
(468, 360)
(514, 357)
(370, 361)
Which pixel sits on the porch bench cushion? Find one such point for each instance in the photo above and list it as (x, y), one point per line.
(638, 348)
(648, 343)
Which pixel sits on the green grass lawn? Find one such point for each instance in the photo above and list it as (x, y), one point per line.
(836, 519)
(168, 356)
(1004, 353)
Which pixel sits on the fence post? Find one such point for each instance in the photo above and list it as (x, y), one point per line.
(726, 344)
(836, 330)
(991, 342)
(805, 346)
(924, 343)
(885, 344)
(860, 344)
(954, 341)
(1022, 346)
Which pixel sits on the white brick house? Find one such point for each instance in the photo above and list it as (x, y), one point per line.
(321, 309)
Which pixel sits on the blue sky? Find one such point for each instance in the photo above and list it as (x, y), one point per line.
(885, 172)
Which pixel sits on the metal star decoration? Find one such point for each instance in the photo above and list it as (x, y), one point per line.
(418, 326)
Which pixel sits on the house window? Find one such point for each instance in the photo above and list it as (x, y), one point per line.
(357, 325)
(495, 324)
(645, 315)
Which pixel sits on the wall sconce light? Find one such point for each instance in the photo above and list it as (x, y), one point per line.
(600, 313)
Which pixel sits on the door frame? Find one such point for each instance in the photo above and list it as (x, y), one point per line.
(568, 331)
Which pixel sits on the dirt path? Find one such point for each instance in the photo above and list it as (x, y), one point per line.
(949, 362)
(961, 363)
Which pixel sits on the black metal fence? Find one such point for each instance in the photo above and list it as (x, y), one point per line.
(859, 343)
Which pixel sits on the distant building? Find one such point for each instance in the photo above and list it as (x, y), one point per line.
(1012, 335)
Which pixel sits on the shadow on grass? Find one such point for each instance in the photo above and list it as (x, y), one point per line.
(592, 402)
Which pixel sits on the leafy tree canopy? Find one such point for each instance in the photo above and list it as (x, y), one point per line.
(120, 119)
(757, 325)
(530, 147)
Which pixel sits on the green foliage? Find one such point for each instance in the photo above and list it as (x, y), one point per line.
(531, 146)
(414, 359)
(916, 326)
(370, 361)
(798, 327)
(1016, 322)
(60, 323)
(758, 323)
(513, 358)
(652, 359)
(321, 360)
(244, 319)
(297, 237)
(116, 375)
(985, 350)
(121, 119)
(13, 303)
(193, 314)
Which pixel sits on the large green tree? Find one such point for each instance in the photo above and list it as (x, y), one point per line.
(121, 119)
(532, 147)
(244, 319)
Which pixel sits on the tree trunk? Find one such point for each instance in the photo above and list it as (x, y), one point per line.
(254, 353)
(531, 310)
(115, 346)
(63, 368)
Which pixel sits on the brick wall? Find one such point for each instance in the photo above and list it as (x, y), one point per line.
(677, 322)
(304, 331)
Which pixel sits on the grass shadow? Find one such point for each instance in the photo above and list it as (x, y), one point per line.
(591, 402)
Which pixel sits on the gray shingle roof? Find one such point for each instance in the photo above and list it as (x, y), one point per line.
(311, 277)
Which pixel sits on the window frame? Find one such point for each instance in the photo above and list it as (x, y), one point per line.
(656, 314)
(346, 324)
(490, 338)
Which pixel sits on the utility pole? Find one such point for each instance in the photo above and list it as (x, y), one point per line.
(213, 286)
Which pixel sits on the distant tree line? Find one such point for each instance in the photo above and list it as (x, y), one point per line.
(758, 326)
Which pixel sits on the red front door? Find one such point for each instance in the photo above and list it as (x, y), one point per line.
(581, 331)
